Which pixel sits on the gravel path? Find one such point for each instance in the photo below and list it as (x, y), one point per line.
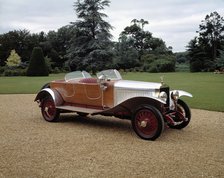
(104, 146)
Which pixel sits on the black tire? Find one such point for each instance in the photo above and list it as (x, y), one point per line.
(148, 122)
(185, 110)
(49, 112)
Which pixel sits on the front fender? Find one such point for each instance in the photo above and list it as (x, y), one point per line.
(129, 106)
(54, 94)
(182, 93)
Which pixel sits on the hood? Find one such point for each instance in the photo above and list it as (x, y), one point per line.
(130, 84)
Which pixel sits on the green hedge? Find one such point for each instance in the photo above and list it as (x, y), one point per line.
(37, 65)
(15, 72)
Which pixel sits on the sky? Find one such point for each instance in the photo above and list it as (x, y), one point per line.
(174, 21)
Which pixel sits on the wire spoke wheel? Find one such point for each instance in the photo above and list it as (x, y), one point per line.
(148, 123)
(183, 111)
(49, 111)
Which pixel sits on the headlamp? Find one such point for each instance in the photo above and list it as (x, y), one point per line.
(175, 95)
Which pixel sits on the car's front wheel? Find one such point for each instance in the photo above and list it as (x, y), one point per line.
(49, 110)
(148, 122)
(185, 112)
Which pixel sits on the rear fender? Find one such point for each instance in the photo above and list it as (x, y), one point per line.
(46, 92)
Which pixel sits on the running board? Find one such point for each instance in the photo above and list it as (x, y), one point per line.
(79, 109)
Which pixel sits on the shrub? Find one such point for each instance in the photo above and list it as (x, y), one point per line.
(165, 65)
(158, 63)
(14, 59)
(37, 66)
(2, 69)
(196, 66)
(56, 70)
(14, 72)
(49, 64)
(182, 67)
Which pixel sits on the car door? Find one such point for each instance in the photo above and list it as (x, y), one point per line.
(88, 94)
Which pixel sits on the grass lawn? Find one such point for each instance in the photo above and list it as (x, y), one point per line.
(207, 88)
(25, 85)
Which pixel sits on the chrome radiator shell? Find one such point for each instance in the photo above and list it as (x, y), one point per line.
(126, 89)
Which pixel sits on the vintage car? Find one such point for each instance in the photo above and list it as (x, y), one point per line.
(148, 105)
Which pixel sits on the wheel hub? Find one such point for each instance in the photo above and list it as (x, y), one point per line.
(46, 109)
(147, 123)
(143, 123)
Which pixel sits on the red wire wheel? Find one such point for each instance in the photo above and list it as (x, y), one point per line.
(184, 111)
(148, 123)
(49, 111)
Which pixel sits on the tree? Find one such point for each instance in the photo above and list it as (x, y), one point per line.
(196, 55)
(37, 66)
(220, 60)
(20, 40)
(158, 63)
(211, 31)
(152, 53)
(136, 36)
(57, 43)
(90, 48)
(182, 57)
(141, 23)
(204, 50)
(14, 59)
(143, 41)
(125, 57)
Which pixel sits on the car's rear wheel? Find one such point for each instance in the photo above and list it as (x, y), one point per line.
(49, 111)
(148, 123)
(185, 112)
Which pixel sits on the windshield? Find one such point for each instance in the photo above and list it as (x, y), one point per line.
(77, 75)
(111, 74)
